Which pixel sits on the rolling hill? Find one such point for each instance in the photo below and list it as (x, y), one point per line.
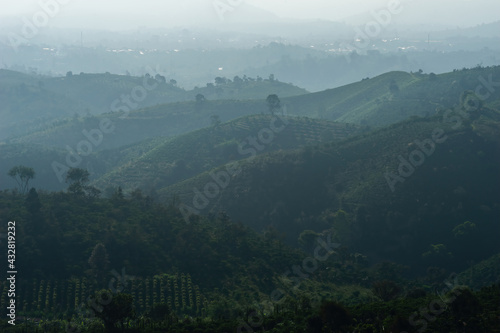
(390, 205)
(33, 102)
(376, 102)
(185, 156)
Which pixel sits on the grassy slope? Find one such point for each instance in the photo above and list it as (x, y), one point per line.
(192, 153)
(371, 102)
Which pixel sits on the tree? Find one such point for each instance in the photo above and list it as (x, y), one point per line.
(160, 78)
(386, 289)
(115, 309)
(33, 206)
(99, 261)
(200, 98)
(22, 175)
(215, 120)
(237, 81)
(78, 178)
(32, 202)
(219, 81)
(437, 255)
(273, 103)
(464, 229)
(173, 82)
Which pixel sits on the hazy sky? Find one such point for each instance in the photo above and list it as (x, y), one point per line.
(119, 14)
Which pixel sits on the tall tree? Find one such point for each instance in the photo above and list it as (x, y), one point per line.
(119, 308)
(22, 175)
(77, 178)
(273, 103)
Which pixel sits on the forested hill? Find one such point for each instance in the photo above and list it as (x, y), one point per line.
(189, 154)
(155, 162)
(426, 209)
(376, 102)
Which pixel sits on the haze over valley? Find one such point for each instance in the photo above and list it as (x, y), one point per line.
(250, 166)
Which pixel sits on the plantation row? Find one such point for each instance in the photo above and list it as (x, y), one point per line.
(39, 298)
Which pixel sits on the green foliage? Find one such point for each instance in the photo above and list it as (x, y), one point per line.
(464, 229)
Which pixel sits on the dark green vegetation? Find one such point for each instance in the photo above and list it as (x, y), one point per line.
(457, 181)
(209, 276)
(236, 215)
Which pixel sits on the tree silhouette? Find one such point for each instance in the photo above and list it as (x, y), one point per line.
(78, 178)
(200, 99)
(115, 309)
(273, 103)
(22, 175)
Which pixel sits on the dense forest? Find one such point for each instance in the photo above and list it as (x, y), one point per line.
(96, 264)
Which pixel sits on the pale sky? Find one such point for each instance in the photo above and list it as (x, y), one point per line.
(119, 14)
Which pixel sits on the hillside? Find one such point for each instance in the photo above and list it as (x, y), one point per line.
(33, 102)
(376, 102)
(209, 210)
(395, 96)
(187, 155)
(387, 216)
(155, 162)
(51, 163)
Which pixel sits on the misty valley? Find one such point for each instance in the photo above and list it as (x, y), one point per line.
(189, 180)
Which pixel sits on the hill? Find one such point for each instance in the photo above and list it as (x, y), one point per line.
(32, 102)
(388, 205)
(376, 102)
(396, 96)
(185, 156)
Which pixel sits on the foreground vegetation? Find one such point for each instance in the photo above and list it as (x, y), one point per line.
(129, 264)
